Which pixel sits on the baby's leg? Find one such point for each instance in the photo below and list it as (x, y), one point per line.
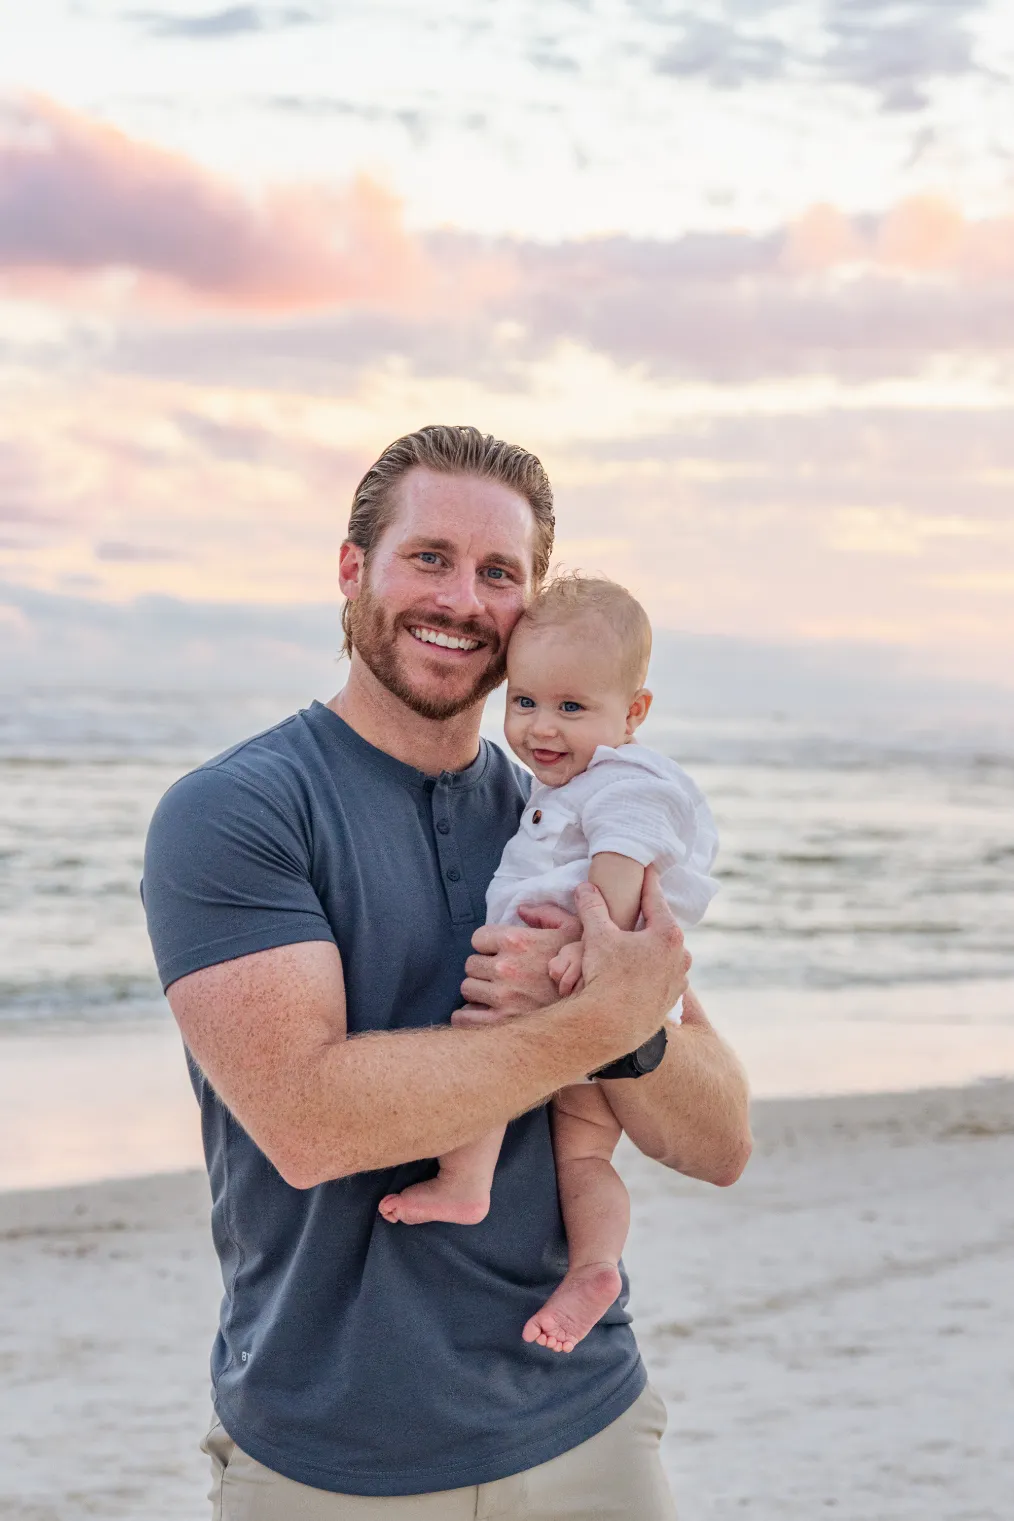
(459, 1194)
(596, 1213)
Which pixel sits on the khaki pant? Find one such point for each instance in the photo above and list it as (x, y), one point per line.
(614, 1476)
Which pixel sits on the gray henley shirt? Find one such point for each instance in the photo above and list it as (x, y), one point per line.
(353, 1355)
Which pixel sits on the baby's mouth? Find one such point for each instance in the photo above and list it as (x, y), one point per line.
(548, 757)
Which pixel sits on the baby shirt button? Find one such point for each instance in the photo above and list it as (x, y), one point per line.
(537, 816)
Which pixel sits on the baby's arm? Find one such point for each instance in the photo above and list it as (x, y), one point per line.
(620, 880)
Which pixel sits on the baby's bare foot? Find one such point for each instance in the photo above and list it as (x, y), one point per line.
(434, 1200)
(579, 1303)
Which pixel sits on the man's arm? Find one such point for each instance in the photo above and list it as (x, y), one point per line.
(678, 1114)
(691, 1114)
(269, 1031)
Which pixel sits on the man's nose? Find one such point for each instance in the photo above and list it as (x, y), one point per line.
(459, 593)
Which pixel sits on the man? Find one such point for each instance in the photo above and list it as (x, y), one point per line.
(311, 897)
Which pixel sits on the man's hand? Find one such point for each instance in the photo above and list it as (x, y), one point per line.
(509, 973)
(644, 970)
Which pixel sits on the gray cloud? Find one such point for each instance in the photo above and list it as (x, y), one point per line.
(911, 442)
(873, 327)
(330, 470)
(168, 644)
(895, 48)
(629, 301)
(818, 683)
(419, 123)
(226, 441)
(123, 552)
(25, 499)
(324, 354)
(545, 53)
(919, 462)
(721, 54)
(232, 21)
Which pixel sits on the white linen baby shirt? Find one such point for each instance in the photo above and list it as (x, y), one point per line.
(629, 800)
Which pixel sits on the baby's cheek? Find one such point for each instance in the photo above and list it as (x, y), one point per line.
(513, 729)
(585, 750)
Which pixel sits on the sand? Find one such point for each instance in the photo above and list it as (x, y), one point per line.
(833, 1336)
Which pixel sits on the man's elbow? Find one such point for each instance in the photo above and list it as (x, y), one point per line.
(305, 1167)
(733, 1164)
(721, 1167)
(297, 1174)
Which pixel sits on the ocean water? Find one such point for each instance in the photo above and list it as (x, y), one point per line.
(842, 865)
(863, 937)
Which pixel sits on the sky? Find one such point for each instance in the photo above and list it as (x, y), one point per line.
(742, 274)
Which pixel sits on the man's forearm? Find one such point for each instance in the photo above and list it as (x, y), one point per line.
(692, 1113)
(376, 1101)
(269, 1031)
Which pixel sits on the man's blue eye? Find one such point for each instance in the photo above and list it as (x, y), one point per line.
(428, 556)
(495, 573)
(571, 707)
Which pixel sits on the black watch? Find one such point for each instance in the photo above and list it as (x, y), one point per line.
(640, 1062)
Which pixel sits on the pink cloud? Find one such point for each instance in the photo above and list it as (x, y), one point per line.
(79, 197)
(921, 235)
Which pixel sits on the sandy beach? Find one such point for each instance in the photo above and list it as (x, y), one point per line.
(834, 1336)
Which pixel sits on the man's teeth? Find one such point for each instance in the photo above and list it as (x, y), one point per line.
(446, 641)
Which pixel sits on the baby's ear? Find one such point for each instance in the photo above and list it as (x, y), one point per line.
(638, 710)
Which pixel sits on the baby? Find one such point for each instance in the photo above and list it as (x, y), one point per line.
(602, 809)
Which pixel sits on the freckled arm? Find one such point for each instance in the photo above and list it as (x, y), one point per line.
(269, 1031)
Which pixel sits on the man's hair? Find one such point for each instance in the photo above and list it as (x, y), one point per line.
(572, 597)
(451, 451)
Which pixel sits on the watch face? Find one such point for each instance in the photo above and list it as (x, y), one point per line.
(649, 1056)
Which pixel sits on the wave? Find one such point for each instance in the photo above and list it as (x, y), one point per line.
(98, 999)
(110, 725)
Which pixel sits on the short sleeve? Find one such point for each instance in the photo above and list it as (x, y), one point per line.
(640, 816)
(657, 822)
(226, 873)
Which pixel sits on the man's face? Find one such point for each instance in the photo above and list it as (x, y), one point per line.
(433, 609)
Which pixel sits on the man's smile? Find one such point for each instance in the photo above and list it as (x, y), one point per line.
(442, 639)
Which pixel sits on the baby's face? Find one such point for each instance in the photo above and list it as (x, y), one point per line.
(565, 696)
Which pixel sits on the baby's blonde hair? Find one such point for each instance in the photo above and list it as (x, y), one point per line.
(571, 597)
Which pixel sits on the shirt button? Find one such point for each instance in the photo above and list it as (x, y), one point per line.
(443, 827)
(454, 875)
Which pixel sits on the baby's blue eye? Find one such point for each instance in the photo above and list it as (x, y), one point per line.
(524, 702)
(571, 707)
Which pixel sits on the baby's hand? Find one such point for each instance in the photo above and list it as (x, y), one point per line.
(565, 968)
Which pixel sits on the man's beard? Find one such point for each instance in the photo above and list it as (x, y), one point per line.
(374, 638)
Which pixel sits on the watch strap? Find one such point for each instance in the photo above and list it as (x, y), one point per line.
(638, 1063)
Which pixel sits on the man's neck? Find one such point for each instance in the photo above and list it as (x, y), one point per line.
(429, 744)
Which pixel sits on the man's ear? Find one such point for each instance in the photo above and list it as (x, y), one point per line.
(638, 710)
(351, 560)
